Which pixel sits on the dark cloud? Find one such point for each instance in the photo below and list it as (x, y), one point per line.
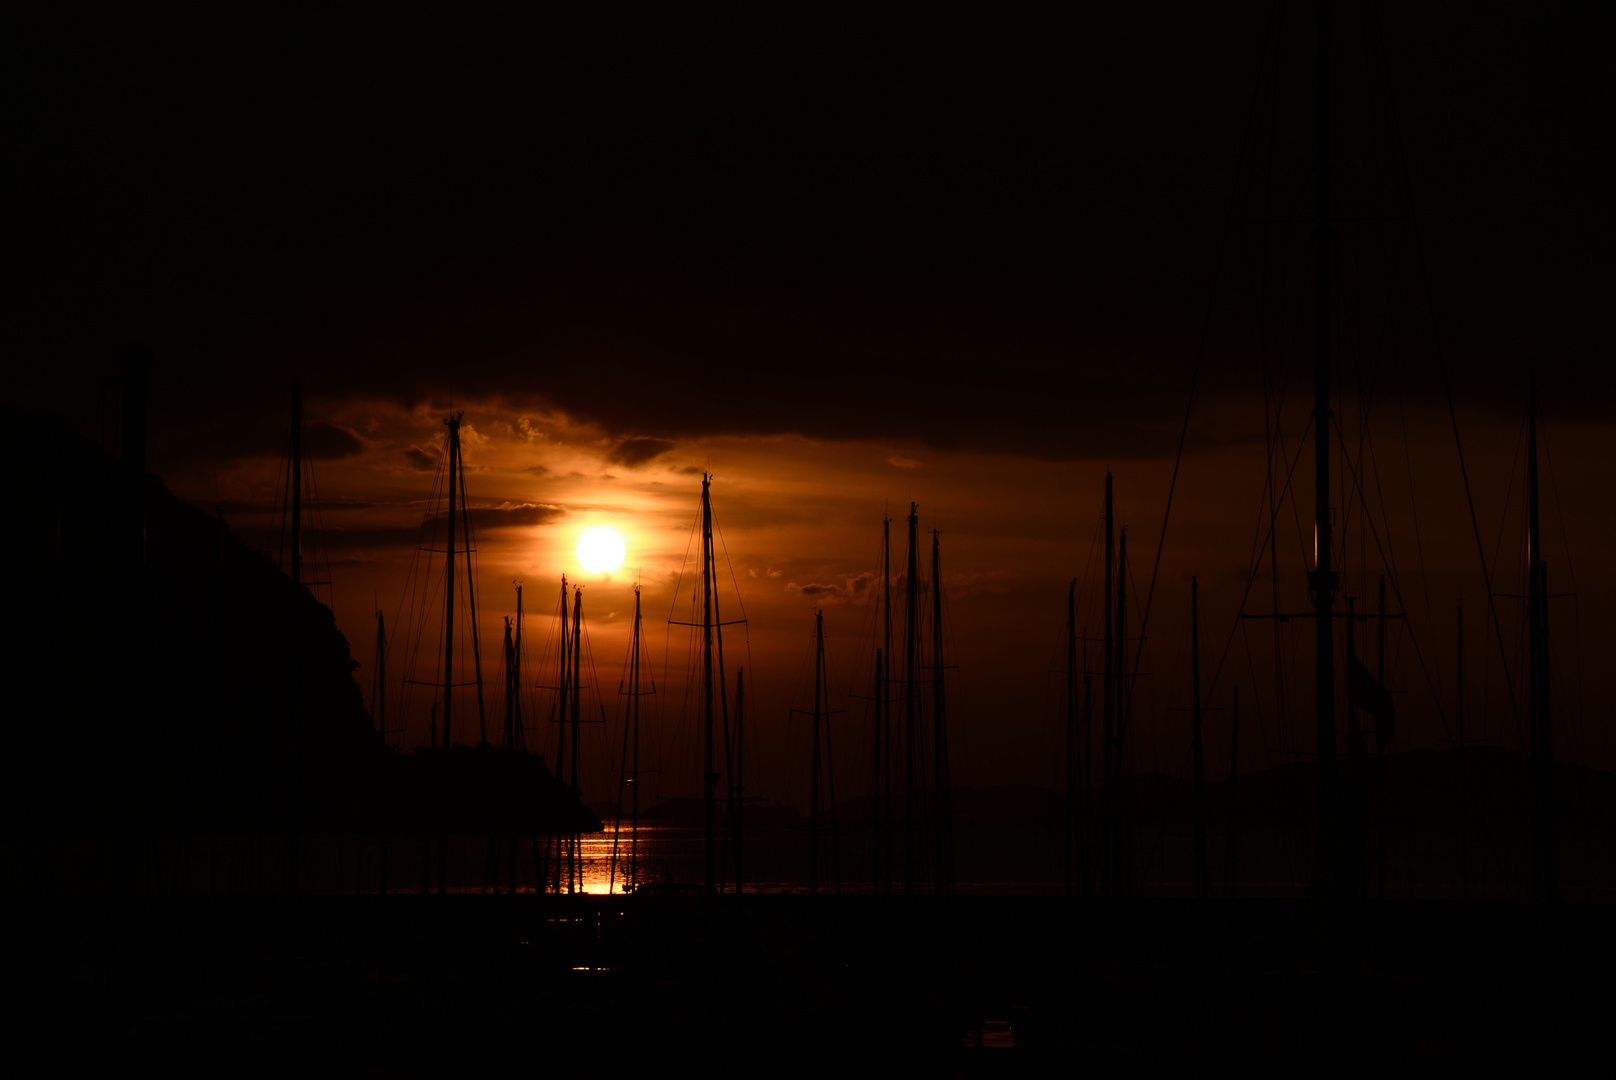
(232, 507)
(853, 588)
(509, 515)
(483, 519)
(325, 441)
(424, 458)
(984, 232)
(638, 451)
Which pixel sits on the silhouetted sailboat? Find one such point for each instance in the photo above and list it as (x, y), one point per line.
(715, 713)
(923, 826)
(1545, 861)
(626, 862)
(822, 784)
(459, 600)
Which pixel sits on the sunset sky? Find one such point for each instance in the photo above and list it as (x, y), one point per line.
(845, 259)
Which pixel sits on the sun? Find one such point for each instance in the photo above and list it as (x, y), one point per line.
(601, 551)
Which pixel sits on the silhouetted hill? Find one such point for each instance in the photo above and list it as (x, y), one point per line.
(169, 684)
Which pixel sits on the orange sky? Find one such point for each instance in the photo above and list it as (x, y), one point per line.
(800, 520)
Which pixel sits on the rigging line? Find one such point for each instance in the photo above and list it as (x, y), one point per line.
(868, 633)
(1251, 574)
(283, 497)
(1385, 513)
(1436, 696)
(1206, 330)
(1441, 358)
(1257, 555)
(667, 655)
(414, 598)
(1419, 545)
(1161, 833)
(1509, 488)
(1571, 573)
(1256, 700)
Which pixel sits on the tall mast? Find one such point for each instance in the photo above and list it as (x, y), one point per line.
(1203, 872)
(297, 481)
(1231, 875)
(911, 704)
(1327, 875)
(518, 743)
(506, 747)
(940, 779)
(378, 706)
(813, 797)
(1545, 877)
(1464, 833)
(293, 840)
(453, 424)
(575, 860)
(738, 772)
(709, 777)
(634, 707)
(505, 740)
(1086, 825)
(564, 671)
(518, 739)
(1108, 693)
(882, 736)
(875, 807)
(630, 774)
(1071, 729)
(882, 688)
(515, 742)
(1121, 849)
(634, 733)
(1380, 748)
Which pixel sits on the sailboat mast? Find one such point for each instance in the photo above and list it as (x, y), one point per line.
(1108, 694)
(1380, 750)
(518, 740)
(911, 704)
(813, 797)
(1322, 582)
(883, 704)
(1203, 872)
(503, 762)
(1071, 729)
(1122, 849)
(1086, 825)
(575, 855)
(1545, 884)
(378, 706)
(297, 482)
(510, 695)
(564, 671)
(1232, 873)
(737, 779)
(634, 742)
(709, 777)
(875, 805)
(940, 780)
(1464, 832)
(293, 855)
(880, 790)
(448, 655)
(517, 745)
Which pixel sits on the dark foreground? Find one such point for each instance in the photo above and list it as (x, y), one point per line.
(793, 985)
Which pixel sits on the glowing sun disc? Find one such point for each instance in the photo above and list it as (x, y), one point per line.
(601, 551)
